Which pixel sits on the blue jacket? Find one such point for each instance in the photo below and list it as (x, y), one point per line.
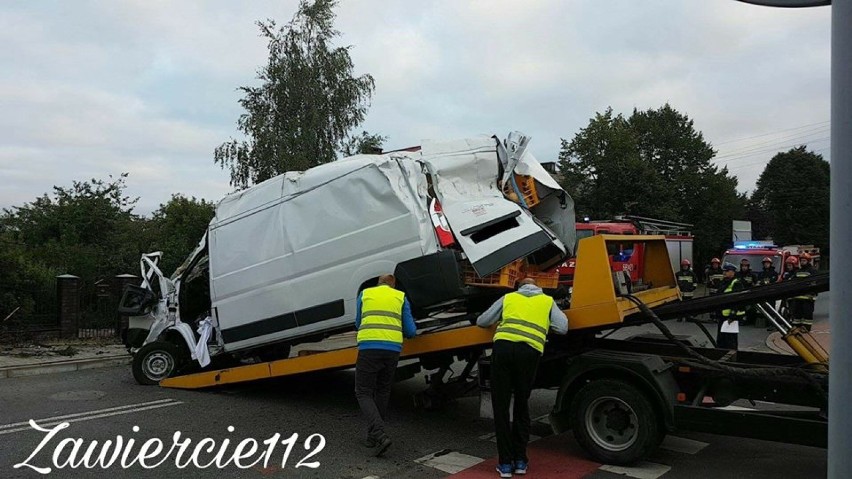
(409, 329)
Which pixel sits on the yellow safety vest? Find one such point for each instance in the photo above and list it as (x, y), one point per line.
(381, 314)
(525, 319)
(727, 312)
(808, 297)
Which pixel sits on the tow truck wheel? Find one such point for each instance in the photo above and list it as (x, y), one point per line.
(615, 422)
(155, 361)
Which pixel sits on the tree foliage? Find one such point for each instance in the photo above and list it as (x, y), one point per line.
(88, 230)
(308, 102)
(363, 144)
(654, 163)
(791, 201)
(83, 230)
(177, 227)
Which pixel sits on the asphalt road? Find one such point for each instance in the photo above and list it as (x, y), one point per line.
(102, 404)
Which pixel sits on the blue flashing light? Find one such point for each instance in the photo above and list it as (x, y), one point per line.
(754, 245)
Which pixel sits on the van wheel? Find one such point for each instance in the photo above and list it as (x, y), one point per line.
(615, 422)
(156, 361)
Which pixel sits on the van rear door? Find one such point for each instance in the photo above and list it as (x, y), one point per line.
(491, 230)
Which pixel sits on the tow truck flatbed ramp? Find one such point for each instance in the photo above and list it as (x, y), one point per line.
(460, 338)
(444, 341)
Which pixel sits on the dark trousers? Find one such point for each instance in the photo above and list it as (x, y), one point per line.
(513, 368)
(374, 373)
(726, 340)
(801, 309)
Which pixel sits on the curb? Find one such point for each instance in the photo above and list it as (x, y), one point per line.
(63, 366)
(770, 343)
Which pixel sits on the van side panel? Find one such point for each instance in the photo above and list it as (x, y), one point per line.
(294, 267)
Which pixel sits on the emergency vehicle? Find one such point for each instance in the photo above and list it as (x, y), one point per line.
(628, 257)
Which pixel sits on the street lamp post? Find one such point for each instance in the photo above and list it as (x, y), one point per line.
(840, 425)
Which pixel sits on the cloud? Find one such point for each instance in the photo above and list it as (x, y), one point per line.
(150, 87)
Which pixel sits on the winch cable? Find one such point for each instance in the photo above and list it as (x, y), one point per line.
(764, 373)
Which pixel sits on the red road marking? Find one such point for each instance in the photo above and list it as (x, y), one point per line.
(550, 458)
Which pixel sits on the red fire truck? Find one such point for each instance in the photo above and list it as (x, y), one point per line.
(755, 251)
(628, 257)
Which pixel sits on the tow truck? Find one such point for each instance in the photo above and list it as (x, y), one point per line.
(619, 397)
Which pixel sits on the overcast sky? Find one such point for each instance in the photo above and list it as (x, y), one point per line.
(96, 88)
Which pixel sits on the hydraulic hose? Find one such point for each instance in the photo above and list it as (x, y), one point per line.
(734, 371)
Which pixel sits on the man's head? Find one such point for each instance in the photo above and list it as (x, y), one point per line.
(767, 262)
(730, 270)
(804, 259)
(791, 263)
(387, 279)
(745, 265)
(527, 281)
(685, 265)
(715, 263)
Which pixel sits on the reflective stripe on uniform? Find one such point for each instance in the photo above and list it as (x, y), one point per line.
(525, 319)
(727, 312)
(807, 297)
(381, 315)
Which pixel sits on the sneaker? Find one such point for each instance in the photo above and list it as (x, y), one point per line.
(381, 446)
(521, 467)
(505, 470)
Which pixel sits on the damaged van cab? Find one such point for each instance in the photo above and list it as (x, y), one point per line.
(283, 262)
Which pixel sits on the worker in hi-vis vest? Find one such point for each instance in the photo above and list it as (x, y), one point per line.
(383, 318)
(523, 319)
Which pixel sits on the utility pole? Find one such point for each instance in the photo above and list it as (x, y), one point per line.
(840, 389)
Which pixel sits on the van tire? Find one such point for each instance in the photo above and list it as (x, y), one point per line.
(615, 422)
(156, 361)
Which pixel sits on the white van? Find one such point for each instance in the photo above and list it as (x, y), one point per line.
(283, 262)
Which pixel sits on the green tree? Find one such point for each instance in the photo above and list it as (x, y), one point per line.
(363, 144)
(307, 104)
(654, 163)
(88, 230)
(177, 227)
(791, 201)
(603, 172)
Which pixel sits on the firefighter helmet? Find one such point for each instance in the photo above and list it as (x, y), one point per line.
(792, 260)
(806, 256)
(745, 261)
(685, 262)
(729, 267)
(767, 260)
(715, 260)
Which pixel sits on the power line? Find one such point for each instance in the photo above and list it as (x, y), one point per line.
(773, 133)
(803, 138)
(775, 149)
(767, 161)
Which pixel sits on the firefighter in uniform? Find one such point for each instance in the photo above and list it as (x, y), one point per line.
(730, 283)
(687, 281)
(802, 306)
(713, 276)
(748, 279)
(383, 318)
(523, 319)
(768, 275)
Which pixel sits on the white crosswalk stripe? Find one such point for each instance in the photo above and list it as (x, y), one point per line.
(88, 415)
(448, 461)
(682, 444)
(643, 470)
